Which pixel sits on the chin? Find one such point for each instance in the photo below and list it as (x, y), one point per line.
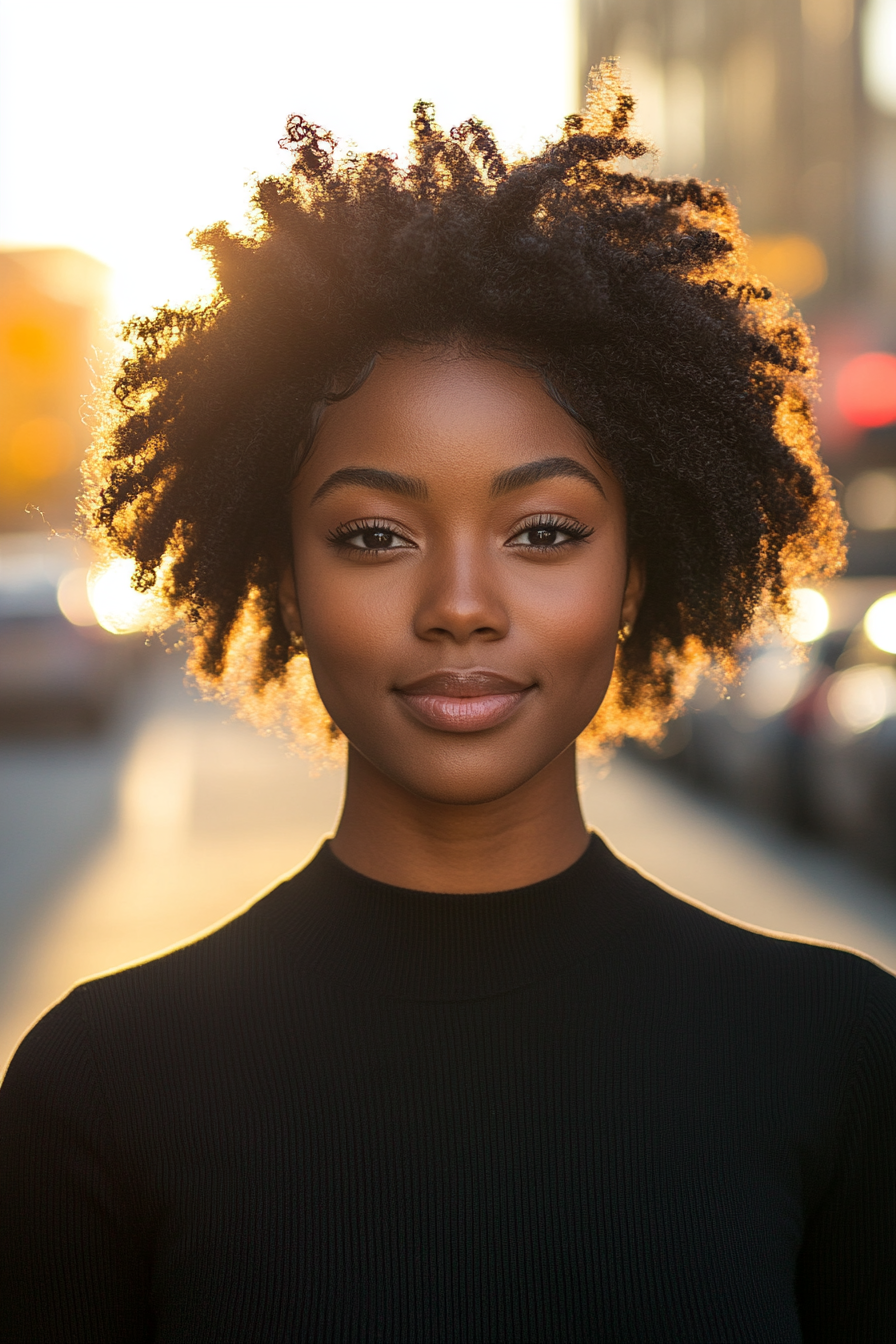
(464, 792)
(465, 783)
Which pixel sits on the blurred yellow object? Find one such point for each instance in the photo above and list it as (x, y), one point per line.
(862, 697)
(50, 339)
(811, 616)
(119, 608)
(32, 342)
(37, 450)
(880, 623)
(73, 598)
(791, 261)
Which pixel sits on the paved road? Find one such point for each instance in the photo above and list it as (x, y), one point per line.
(114, 848)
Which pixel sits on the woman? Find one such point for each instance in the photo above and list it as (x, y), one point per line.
(504, 457)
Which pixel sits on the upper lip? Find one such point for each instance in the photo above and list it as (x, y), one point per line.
(464, 682)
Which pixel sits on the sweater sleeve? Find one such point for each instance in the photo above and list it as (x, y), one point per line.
(847, 1273)
(72, 1267)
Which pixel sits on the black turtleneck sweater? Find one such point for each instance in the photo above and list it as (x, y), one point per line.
(585, 1110)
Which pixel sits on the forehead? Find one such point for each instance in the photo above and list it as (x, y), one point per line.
(439, 414)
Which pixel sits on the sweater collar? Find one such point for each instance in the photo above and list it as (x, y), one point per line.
(401, 943)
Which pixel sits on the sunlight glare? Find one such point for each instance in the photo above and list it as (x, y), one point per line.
(811, 616)
(880, 623)
(154, 147)
(119, 608)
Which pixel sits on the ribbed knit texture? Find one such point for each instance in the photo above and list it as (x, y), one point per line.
(585, 1110)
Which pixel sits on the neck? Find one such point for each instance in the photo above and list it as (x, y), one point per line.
(396, 837)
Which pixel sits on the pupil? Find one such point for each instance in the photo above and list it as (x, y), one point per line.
(377, 538)
(545, 535)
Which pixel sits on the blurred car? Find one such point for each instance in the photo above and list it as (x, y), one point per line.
(58, 666)
(849, 775)
(810, 741)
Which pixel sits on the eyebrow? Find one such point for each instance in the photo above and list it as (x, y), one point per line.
(411, 487)
(545, 469)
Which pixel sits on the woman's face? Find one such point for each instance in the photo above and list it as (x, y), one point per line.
(460, 574)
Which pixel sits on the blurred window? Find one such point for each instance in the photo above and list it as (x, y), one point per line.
(685, 97)
(640, 64)
(749, 82)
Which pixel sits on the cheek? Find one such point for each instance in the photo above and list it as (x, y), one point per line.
(349, 622)
(578, 661)
(572, 615)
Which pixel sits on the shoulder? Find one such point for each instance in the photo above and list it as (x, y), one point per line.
(822, 981)
(195, 988)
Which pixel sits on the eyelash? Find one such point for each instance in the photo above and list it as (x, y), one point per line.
(342, 535)
(573, 532)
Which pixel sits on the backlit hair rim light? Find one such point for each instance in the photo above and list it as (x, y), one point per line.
(631, 294)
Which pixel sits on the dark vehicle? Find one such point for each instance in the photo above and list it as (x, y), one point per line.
(811, 743)
(59, 669)
(808, 741)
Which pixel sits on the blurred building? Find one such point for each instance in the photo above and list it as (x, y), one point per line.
(52, 302)
(791, 104)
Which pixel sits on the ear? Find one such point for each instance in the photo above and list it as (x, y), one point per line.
(635, 583)
(289, 601)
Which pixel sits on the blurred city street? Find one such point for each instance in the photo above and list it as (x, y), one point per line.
(124, 830)
(116, 845)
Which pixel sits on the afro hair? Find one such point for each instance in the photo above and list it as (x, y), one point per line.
(632, 296)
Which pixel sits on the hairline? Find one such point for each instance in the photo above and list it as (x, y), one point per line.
(462, 346)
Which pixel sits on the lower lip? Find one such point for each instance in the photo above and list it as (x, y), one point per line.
(463, 714)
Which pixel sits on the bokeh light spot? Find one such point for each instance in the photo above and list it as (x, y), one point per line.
(880, 623)
(793, 262)
(871, 501)
(862, 697)
(811, 615)
(119, 608)
(866, 390)
(771, 684)
(73, 598)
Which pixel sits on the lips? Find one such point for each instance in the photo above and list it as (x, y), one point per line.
(463, 700)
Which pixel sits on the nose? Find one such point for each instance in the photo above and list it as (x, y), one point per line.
(460, 597)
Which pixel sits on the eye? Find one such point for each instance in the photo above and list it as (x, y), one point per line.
(369, 537)
(549, 534)
(540, 536)
(372, 539)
